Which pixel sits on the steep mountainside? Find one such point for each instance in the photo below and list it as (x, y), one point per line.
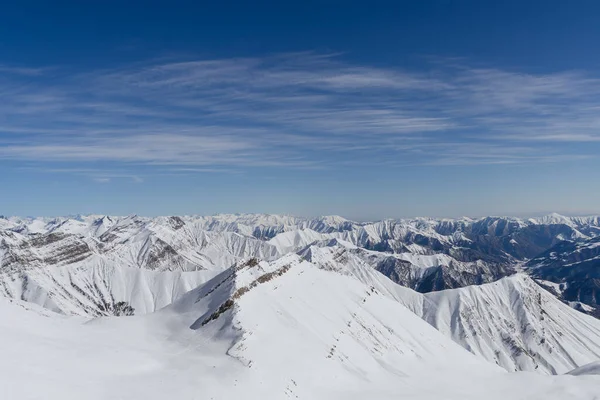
(516, 324)
(96, 289)
(423, 254)
(575, 269)
(421, 272)
(157, 244)
(278, 330)
(513, 322)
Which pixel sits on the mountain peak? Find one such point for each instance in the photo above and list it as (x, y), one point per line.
(517, 324)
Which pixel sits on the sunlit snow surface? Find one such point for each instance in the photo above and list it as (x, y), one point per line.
(313, 320)
(291, 330)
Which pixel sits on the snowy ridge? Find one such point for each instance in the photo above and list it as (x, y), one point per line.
(421, 272)
(305, 333)
(516, 324)
(592, 368)
(425, 254)
(230, 287)
(101, 288)
(512, 322)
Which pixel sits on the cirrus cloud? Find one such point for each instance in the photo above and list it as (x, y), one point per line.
(301, 110)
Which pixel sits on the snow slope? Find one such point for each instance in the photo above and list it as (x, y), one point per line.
(89, 266)
(291, 331)
(592, 368)
(95, 289)
(516, 324)
(512, 322)
(421, 272)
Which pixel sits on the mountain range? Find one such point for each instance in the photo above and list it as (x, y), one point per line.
(284, 307)
(424, 254)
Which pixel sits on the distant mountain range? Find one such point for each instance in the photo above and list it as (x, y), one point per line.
(424, 254)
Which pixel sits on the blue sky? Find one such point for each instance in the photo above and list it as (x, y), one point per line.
(363, 109)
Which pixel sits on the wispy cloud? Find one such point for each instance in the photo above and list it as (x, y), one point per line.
(96, 175)
(102, 180)
(300, 110)
(11, 70)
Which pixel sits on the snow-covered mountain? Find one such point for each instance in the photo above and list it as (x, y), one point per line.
(512, 322)
(572, 270)
(270, 330)
(85, 264)
(421, 272)
(188, 277)
(101, 288)
(515, 323)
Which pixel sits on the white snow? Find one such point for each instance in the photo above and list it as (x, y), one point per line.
(213, 323)
(516, 324)
(84, 290)
(592, 368)
(306, 333)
